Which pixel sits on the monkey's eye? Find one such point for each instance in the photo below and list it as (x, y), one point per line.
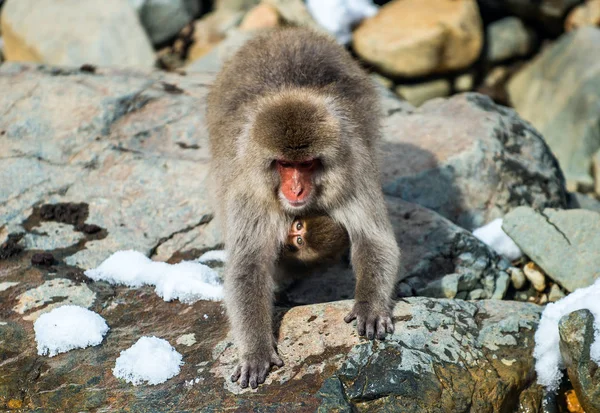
(307, 164)
(298, 226)
(284, 164)
(299, 241)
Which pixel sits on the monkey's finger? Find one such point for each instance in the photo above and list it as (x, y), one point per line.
(370, 328)
(254, 377)
(360, 325)
(276, 360)
(244, 376)
(236, 374)
(381, 328)
(262, 373)
(389, 325)
(350, 316)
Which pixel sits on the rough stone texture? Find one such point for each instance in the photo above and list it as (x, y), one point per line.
(583, 201)
(105, 33)
(446, 356)
(469, 160)
(596, 162)
(586, 14)
(508, 38)
(164, 19)
(564, 244)
(263, 16)
(133, 145)
(576, 336)
(419, 93)
(421, 37)
(567, 73)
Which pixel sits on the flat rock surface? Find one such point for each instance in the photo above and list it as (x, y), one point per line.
(445, 355)
(564, 244)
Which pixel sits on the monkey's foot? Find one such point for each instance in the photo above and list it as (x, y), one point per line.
(253, 369)
(370, 322)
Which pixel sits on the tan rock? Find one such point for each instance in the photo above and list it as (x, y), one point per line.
(74, 32)
(211, 30)
(587, 14)
(518, 278)
(535, 275)
(263, 16)
(421, 37)
(294, 12)
(420, 93)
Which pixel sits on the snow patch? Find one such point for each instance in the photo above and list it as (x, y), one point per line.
(339, 16)
(187, 281)
(150, 359)
(492, 235)
(549, 363)
(66, 328)
(214, 255)
(6, 285)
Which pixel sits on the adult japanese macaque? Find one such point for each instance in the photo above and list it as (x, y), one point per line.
(316, 240)
(293, 124)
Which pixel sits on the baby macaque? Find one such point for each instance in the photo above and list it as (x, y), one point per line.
(316, 240)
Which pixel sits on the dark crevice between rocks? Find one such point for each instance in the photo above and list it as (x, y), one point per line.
(204, 220)
(67, 213)
(194, 253)
(11, 248)
(125, 105)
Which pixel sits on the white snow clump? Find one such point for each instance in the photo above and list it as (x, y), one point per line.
(549, 363)
(66, 328)
(214, 255)
(492, 235)
(150, 359)
(339, 16)
(187, 281)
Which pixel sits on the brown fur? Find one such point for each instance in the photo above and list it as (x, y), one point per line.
(295, 94)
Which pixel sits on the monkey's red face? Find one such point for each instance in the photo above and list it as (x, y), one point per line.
(297, 181)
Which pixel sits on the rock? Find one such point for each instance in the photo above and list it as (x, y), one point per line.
(568, 74)
(576, 337)
(210, 30)
(468, 159)
(214, 59)
(535, 276)
(133, 134)
(421, 37)
(295, 13)
(586, 14)
(164, 19)
(583, 201)
(441, 347)
(235, 5)
(564, 244)
(464, 82)
(517, 278)
(548, 14)
(104, 33)
(555, 293)
(263, 16)
(419, 93)
(508, 38)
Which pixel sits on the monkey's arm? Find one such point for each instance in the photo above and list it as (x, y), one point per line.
(253, 248)
(376, 259)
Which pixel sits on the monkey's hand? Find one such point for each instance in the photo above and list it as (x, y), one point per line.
(254, 368)
(371, 321)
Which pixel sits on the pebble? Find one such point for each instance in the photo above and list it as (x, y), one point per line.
(535, 275)
(517, 277)
(555, 293)
(543, 299)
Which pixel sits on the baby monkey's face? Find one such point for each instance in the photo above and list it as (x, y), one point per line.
(314, 240)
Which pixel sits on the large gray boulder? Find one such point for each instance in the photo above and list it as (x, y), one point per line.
(468, 159)
(164, 19)
(567, 73)
(74, 32)
(565, 244)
